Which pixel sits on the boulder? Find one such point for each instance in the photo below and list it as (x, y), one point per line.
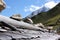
(16, 17)
(2, 5)
(28, 20)
(39, 25)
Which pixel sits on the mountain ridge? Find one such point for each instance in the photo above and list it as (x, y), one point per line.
(45, 16)
(42, 9)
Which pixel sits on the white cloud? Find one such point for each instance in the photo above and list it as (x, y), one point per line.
(31, 8)
(50, 4)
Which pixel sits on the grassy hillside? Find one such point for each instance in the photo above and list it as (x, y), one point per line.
(48, 18)
(53, 21)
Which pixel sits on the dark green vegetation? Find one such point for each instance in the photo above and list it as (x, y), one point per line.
(50, 18)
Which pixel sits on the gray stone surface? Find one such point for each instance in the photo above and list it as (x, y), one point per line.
(28, 35)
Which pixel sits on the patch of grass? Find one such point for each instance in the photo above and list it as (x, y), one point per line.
(53, 21)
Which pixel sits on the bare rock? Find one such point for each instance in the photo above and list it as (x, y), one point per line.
(2, 5)
(16, 17)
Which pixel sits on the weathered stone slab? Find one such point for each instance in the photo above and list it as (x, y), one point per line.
(28, 35)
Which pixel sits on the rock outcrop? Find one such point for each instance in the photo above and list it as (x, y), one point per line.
(28, 20)
(39, 25)
(2, 5)
(16, 17)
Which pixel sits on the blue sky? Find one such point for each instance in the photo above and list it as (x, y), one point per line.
(26, 7)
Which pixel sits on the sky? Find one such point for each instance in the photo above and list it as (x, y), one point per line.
(26, 7)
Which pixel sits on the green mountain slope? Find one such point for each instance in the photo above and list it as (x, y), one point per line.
(48, 18)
